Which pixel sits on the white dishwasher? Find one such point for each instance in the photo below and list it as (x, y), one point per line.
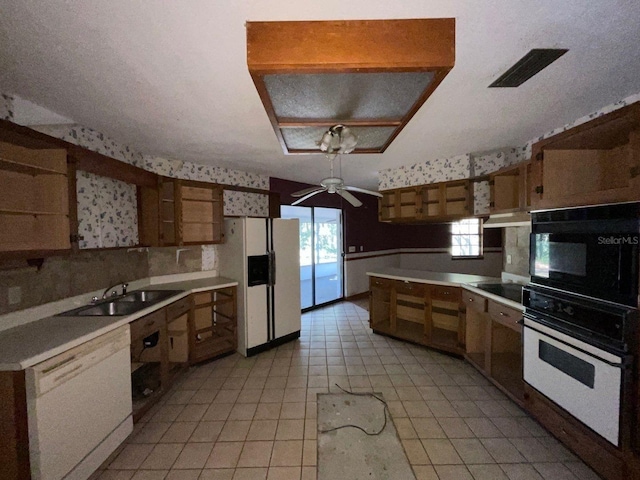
(79, 407)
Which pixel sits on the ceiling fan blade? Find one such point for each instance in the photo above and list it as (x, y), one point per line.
(349, 198)
(306, 191)
(362, 190)
(308, 195)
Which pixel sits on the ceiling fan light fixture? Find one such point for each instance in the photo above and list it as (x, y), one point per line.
(338, 139)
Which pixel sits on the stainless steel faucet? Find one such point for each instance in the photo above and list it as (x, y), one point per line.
(114, 293)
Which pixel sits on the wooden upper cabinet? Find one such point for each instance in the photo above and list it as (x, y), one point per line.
(509, 189)
(34, 201)
(434, 202)
(181, 212)
(594, 163)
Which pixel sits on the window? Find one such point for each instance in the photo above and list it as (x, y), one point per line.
(466, 238)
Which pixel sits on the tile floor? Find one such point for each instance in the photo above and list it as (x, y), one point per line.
(255, 418)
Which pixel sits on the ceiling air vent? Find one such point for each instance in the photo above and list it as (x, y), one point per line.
(534, 61)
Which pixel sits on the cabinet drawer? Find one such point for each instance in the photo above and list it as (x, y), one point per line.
(178, 308)
(474, 301)
(507, 316)
(147, 325)
(446, 294)
(410, 288)
(377, 282)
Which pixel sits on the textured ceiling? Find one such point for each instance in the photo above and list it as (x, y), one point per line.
(170, 78)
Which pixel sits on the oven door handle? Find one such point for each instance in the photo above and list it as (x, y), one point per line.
(625, 360)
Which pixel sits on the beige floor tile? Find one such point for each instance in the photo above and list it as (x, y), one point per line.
(309, 473)
(226, 396)
(183, 475)
(192, 413)
(162, 456)
(441, 451)
(249, 395)
(455, 427)
(150, 475)
(287, 453)
(179, 432)
(256, 454)
(581, 471)
(181, 397)
(295, 395)
(277, 383)
(193, 455)
(290, 430)
(427, 428)
(268, 411)
(471, 450)
(234, 431)
(206, 432)
(415, 452)
(311, 429)
(521, 471)
(483, 427)
(272, 395)
(262, 430)
(131, 457)
(292, 411)
(533, 450)
(250, 474)
(425, 472)
(554, 471)
(417, 408)
(151, 432)
(502, 450)
(487, 472)
(217, 474)
(217, 411)
(203, 396)
(310, 453)
(453, 472)
(284, 473)
(297, 382)
(243, 411)
(224, 455)
(405, 428)
(115, 475)
(167, 413)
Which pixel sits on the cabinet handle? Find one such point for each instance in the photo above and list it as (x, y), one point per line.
(470, 299)
(149, 323)
(502, 314)
(446, 293)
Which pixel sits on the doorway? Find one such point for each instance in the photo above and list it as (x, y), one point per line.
(321, 267)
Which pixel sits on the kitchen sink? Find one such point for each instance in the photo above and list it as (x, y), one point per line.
(122, 305)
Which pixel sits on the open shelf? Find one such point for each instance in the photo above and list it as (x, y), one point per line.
(410, 330)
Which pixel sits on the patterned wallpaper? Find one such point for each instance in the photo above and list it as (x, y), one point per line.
(6, 107)
(468, 165)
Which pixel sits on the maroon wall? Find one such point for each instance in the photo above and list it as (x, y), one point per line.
(362, 227)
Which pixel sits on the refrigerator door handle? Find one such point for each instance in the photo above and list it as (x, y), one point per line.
(272, 268)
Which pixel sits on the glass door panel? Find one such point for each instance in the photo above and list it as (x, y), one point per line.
(320, 253)
(327, 254)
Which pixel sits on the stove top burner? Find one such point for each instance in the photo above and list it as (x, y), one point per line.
(511, 291)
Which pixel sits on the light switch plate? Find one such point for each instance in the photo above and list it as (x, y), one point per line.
(352, 249)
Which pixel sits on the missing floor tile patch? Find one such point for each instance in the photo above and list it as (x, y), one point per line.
(371, 450)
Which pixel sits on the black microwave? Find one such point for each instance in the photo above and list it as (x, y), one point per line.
(591, 251)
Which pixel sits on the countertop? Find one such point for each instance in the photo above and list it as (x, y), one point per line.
(466, 281)
(436, 278)
(31, 343)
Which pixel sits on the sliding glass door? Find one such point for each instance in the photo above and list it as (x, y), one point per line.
(320, 253)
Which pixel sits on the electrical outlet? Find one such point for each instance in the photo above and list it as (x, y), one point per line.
(361, 248)
(508, 259)
(352, 249)
(15, 295)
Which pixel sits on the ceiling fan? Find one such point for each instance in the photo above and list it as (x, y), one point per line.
(338, 139)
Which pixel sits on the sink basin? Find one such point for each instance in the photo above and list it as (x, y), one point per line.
(123, 305)
(148, 296)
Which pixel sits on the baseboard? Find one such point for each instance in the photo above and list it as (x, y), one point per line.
(272, 344)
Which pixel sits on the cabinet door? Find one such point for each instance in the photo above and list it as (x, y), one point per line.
(506, 348)
(380, 304)
(34, 201)
(409, 321)
(387, 207)
(200, 213)
(213, 325)
(447, 327)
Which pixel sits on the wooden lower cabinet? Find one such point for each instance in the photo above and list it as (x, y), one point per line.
(418, 312)
(213, 328)
(494, 342)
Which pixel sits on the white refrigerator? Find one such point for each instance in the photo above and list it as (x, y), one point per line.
(263, 255)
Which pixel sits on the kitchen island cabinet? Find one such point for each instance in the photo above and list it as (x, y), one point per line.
(494, 341)
(418, 306)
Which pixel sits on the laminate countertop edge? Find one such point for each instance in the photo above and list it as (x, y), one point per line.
(28, 344)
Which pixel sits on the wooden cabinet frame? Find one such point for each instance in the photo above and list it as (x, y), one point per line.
(509, 189)
(421, 313)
